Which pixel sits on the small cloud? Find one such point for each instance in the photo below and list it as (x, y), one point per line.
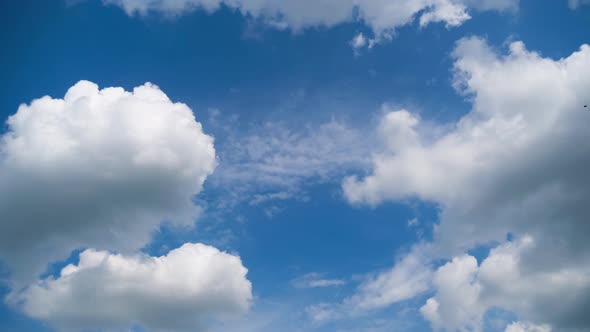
(359, 41)
(413, 222)
(314, 280)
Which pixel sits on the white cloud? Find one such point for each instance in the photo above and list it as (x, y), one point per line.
(511, 165)
(382, 16)
(410, 276)
(455, 305)
(98, 168)
(505, 279)
(182, 291)
(527, 327)
(315, 280)
(451, 13)
(517, 163)
(359, 41)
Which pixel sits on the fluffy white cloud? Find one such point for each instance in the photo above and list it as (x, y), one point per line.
(98, 168)
(181, 291)
(465, 291)
(513, 164)
(382, 16)
(517, 163)
(455, 305)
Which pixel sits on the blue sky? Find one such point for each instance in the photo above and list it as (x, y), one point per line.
(317, 180)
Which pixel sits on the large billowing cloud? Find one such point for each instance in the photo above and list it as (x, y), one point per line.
(98, 168)
(382, 16)
(182, 291)
(516, 164)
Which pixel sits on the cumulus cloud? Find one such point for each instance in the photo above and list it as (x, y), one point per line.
(516, 164)
(382, 16)
(466, 291)
(512, 160)
(181, 291)
(98, 168)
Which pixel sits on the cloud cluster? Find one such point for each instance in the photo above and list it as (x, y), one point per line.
(274, 162)
(181, 291)
(516, 164)
(98, 168)
(383, 17)
(103, 169)
(465, 291)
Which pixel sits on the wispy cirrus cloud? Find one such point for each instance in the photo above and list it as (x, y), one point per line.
(315, 280)
(279, 161)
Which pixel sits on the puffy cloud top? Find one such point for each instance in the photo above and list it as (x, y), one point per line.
(516, 164)
(465, 291)
(98, 168)
(181, 291)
